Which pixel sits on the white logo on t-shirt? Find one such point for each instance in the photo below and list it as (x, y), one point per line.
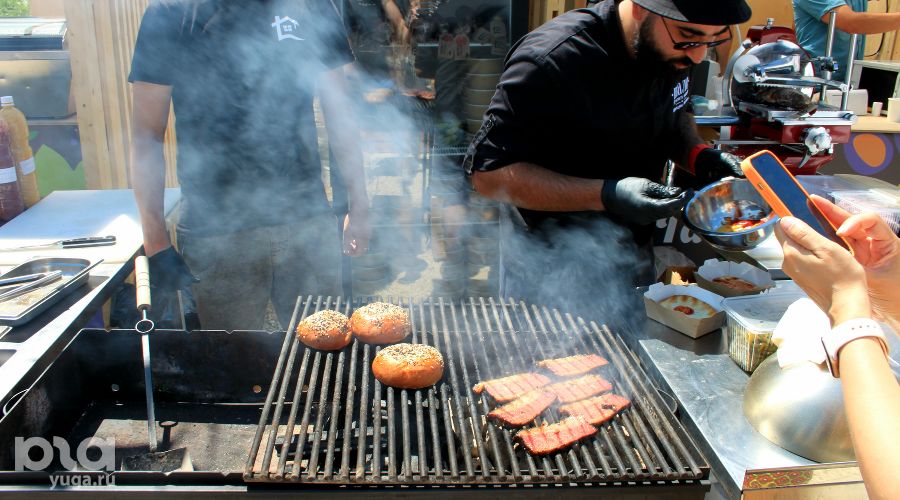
(284, 27)
(681, 93)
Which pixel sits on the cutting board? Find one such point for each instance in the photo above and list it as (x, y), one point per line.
(75, 214)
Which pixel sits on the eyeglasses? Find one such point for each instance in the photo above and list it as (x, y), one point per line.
(692, 45)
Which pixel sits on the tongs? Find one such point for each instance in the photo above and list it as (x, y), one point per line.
(39, 280)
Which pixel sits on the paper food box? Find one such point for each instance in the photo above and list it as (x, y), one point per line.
(691, 321)
(678, 275)
(745, 274)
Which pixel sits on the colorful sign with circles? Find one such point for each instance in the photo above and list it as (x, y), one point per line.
(870, 153)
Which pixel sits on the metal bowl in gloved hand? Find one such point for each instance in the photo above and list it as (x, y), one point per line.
(730, 215)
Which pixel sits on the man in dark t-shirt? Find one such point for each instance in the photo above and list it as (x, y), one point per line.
(589, 108)
(255, 222)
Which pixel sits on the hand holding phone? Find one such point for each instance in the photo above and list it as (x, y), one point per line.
(785, 195)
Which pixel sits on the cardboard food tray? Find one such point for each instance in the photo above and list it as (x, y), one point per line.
(712, 269)
(692, 327)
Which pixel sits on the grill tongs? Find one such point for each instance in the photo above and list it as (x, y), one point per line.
(31, 282)
(165, 461)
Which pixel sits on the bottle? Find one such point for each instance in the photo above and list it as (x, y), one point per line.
(10, 199)
(18, 135)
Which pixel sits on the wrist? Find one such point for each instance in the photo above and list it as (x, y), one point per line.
(693, 154)
(153, 246)
(850, 333)
(850, 303)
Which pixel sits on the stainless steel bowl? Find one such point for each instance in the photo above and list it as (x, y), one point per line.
(708, 210)
(799, 408)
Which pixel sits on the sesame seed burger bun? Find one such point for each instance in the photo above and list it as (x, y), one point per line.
(380, 323)
(408, 366)
(325, 330)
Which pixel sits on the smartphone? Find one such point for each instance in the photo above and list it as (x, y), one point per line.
(785, 195)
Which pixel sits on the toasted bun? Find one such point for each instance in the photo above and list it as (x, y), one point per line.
(408, 366)
(690, 306)
(326, 330)
(380, 323)
(735, 283)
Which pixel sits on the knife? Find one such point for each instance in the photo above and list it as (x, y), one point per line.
(91, 241)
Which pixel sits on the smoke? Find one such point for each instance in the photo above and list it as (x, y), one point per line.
(584, 264)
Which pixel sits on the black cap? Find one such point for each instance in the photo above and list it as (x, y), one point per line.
(709, 12)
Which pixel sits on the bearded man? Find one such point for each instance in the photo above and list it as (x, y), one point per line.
(589, 108)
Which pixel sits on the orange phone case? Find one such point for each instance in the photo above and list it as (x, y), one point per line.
(763, 187)
(769, 194)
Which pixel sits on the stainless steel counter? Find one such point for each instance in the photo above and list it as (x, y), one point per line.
(709, 387)
(29, 348)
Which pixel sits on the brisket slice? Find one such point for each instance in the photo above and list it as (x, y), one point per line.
(579, 388)
(523, 410)
(551, 438)
(596, 410)
(511, 387)
(573, 365)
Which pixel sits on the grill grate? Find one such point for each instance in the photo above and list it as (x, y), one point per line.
(353, 430)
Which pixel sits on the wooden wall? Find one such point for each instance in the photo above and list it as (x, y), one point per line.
(101, 41)
(46, 8)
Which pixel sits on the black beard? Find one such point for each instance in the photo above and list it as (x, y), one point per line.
(651, 60)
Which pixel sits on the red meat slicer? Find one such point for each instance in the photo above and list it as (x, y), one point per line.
(769, 87)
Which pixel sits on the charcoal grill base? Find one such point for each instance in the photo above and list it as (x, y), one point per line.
(217, 437)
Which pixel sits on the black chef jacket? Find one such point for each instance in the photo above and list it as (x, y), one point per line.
(572, 100)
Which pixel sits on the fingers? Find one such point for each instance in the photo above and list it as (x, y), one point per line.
(799, 232)
(866, 225)
(670, 206)
(656, 190)
(835, 214)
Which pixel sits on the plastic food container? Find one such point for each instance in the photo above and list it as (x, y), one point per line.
(750, 321)
(885, 204)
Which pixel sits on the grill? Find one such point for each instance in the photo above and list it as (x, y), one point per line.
(328, 421)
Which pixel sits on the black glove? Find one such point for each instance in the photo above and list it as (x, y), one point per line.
(714, 164)
(642, 201)
(168, 271)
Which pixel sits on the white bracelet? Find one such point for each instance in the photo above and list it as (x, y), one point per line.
(847, 332)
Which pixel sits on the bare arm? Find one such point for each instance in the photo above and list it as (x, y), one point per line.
(343, 136)
(864, 23)
(533, 187)
(395, 17)
(150, 105)
(834, 279)
(872, 402)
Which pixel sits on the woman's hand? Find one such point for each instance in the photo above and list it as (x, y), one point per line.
(829, 274)
(876, 248)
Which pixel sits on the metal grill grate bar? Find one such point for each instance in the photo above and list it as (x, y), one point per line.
(440, 435)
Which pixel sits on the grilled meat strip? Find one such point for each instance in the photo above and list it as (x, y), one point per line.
(579, 388)
(573, 365)
(511, 387)
(523, 410)
(596, 410)
(547, 439)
